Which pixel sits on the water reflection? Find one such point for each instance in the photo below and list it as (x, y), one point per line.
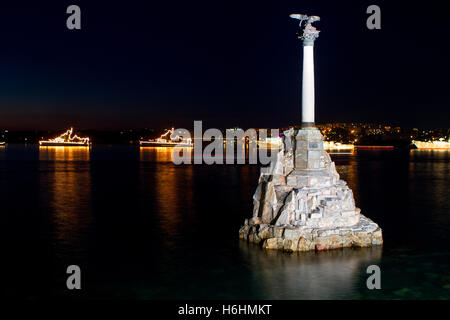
(2, 151)
(67, 182)
(64, 153)
(154, 216)
(429, 176)
(172, 188)
(334, 274)
(162, 154)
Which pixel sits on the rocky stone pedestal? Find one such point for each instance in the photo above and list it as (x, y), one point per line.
(365, 233)
(300, 203)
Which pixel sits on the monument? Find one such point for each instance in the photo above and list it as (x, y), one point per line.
(300, 203)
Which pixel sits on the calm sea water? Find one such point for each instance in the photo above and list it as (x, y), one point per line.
(141, 227)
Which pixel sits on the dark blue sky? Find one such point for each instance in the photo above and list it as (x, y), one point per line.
(161, 63)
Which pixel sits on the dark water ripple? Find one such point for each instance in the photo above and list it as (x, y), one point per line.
(141, 227)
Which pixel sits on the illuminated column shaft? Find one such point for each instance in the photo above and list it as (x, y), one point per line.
(308, 84)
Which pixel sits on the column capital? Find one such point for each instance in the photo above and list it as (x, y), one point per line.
(307, 32)
(309, 35)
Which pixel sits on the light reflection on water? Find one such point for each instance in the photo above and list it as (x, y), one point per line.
(68, 154)
(68, 182)
(156, 154)
(167, 231)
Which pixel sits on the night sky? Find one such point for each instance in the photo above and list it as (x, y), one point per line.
(228, 63)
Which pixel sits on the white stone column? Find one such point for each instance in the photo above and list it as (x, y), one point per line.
(308, 34)
(308, 85)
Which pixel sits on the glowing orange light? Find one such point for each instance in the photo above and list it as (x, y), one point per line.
(67, 139)
(172, 141)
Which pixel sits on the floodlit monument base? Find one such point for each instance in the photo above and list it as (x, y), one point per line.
(300, 203)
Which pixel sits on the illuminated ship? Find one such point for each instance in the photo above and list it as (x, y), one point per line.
(440, 144)
(331, 145)
(2, 143)
(167, 140)
(66, 140)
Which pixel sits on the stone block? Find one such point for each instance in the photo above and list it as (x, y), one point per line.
(301, 144)
(377, 237)
(313, 164)
(254, 220)
(292, 234)
(314, 155)
(348, 213)
(264, 233)
(278, 179)
(291, 180)
(276, 232)
(305, 244)
(301, 163)
(290, 245)
(362, 239)
(328, 242)
(253, 238)
(347, 239)
(273, 243)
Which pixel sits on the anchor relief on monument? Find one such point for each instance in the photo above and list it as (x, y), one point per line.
(300, 203)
